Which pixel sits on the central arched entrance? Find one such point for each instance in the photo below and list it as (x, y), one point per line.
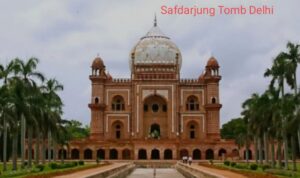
(155, 117)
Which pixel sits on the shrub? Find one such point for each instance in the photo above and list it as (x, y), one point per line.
(211, 162)
(233, 164)
(75, 163)
(264, 167)
(253, 167)
(81, 163)
(40, 167)
(227, 163)
(241, 166)
(62, 166)
(53, 165)
(68, 165)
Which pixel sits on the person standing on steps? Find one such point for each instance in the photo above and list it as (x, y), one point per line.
(190, 160)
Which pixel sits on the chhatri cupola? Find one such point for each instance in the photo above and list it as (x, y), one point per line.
(155, 56)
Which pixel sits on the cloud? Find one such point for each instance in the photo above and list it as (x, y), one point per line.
(66, 36)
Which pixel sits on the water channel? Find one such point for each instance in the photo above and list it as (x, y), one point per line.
(159, 173)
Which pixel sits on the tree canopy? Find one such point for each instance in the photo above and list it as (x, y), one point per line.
(233, 128)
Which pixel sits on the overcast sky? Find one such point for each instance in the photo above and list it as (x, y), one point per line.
(67, 35)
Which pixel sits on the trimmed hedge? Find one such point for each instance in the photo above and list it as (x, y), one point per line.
(227, 163)
(253, 167)
(264, 167)
(63, 166)
(241, 166)
(40, 167)
(233, 164)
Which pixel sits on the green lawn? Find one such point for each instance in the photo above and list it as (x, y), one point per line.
(34, 171)
(243, 167)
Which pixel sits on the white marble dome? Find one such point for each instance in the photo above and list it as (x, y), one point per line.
(155, 48)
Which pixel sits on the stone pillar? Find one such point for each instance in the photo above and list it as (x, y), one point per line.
(216, 153)
(106, 153)
(81, 154)
(94, 154)
(132, 154)
(148, 154)
(119, 154)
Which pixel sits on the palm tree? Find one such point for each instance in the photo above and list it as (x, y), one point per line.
(289, 109)
(5, 73)
(265, 112)
(27, 72)
(279, 74)
(36, 106)
(53, 109)
(293, 58)
(274, 108)
(251, 117)
(23, 103)
(37, 110)
(4, 99)
(63, 136)
(20, 108)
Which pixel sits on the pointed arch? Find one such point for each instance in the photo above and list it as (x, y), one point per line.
(168, 154)
(196, 154)
(142, 154)
(74, 153)
(192, 103)
(88, 154)
(101, 153)
(118, 103)
(209, 154)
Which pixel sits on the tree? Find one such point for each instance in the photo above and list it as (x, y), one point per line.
(24, 102)
(279, 74)
(251, 116)
(53, 109)
(236, 129)
(233, 128)
(27, 73)
(5, 74)
(292, 58)
(77, 130)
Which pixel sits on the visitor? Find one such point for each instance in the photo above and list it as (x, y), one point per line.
(185, 158)
(190, 160)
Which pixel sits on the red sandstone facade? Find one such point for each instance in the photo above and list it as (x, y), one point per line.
(155, 114)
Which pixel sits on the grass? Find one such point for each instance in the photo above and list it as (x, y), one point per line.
(47, 172)
(244, 169)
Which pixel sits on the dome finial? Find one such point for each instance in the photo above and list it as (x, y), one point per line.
(155, 20)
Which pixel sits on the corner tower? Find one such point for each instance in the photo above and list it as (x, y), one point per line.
(97, 105)
(211, 78)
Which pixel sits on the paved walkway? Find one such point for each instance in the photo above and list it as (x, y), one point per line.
(218, 172)
(90, 172)
(160, 173)
(148, 172)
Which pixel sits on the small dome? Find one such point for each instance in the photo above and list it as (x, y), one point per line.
(155, 48)
(212, 62)
(98, 63)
